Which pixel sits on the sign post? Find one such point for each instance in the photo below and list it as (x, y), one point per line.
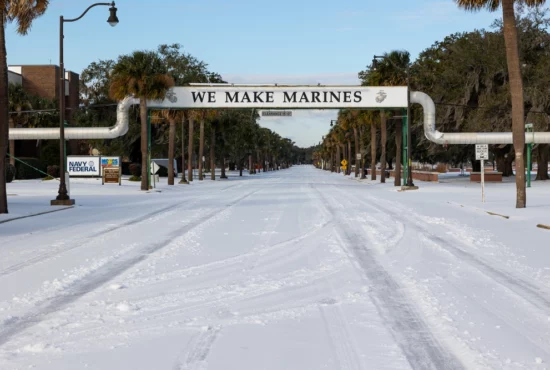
(154, 169)
(482, 154)
(111, 170)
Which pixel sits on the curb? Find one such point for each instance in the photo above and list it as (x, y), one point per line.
(35, 214)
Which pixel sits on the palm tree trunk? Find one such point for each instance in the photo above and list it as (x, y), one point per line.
(223, 175)
(383, 146)
(212, 153)
(398, 144)
(201, 148)
(357, 151)
(349, 157)
(4, 129)
(516, 91)
(190, 150)
(337, 162)
(373, 151)
(363, 174)
(171, 148)
(542, 162)
(144, 144)
(183, 179)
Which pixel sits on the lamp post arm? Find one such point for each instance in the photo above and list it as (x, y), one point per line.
(86, 11)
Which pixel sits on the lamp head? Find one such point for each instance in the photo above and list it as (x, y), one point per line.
(375, 64)
(113, 19)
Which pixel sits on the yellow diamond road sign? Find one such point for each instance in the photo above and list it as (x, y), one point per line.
(344, 162)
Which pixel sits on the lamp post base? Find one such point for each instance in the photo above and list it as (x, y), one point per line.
(64, 202)
(406, 187)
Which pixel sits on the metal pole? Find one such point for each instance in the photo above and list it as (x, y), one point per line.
(529, 146)
(148, 149)
(409, 141)
(405, 149)
(62, 197)
(483, 180)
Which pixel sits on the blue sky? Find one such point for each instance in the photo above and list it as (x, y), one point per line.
(299, 41)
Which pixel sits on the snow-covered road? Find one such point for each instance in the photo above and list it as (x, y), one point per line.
(293, 269)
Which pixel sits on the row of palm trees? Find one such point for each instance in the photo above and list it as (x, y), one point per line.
(346, 139)
(148, 75)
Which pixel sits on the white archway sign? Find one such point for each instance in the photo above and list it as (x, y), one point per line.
(282, 97)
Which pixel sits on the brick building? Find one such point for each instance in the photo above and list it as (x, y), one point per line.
(43, 81)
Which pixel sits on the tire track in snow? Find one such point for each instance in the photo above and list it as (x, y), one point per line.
(197, 356)
(277, 254)
(522, 288)
(341, 341)
(97, 236)
(420, 347)
(109, 271)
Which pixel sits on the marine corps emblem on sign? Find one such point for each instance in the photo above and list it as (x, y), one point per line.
(171, 95)
(381, 96)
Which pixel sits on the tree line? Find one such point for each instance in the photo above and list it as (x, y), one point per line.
(467, 76)
(216, 135)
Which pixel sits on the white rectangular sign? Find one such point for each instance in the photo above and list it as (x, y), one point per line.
(284, 97)
(482, 152)
(83, 166)
(277, 113)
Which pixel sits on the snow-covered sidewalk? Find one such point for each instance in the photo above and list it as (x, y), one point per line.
(293, 269)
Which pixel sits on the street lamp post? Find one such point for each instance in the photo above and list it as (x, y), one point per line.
(63, 198)
(407, 145)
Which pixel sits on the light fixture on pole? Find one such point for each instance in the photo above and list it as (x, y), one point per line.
(63, 198)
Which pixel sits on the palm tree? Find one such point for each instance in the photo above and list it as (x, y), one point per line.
(144, 75)
(383, 140)
(173, 116)
(514, 74)
(213, 126)
(23, 13)
(208, 114)
(373, 149)
(190, 147)
(201, 143)
(18, 100)
(183, 119)
(391, 71)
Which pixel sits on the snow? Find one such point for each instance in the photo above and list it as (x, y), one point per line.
(292, 269)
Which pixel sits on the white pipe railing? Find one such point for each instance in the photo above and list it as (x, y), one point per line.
(467, 137)
(431, 133)
(120, 128)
